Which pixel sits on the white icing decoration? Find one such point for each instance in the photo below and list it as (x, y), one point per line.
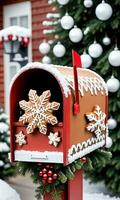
(97, 121)
(20, 138)
(54, 138)
(92, 84)
(85, 148)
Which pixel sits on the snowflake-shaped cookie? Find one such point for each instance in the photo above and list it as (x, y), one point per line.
(97, 121)
(38, 111)
(54, 138)
(20, 138)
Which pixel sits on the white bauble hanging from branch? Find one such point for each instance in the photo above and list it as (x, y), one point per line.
(108, 143)
(63, 2)
(44, 47)
(46, 60)
(113, 84)
(103, 11)
(59, 50)
(112, 123)
(114, 57)
(88, 3)
(67, 22)
(86, 60)
(75, 34)
(106, 40)
(95, 50)
(50, 2)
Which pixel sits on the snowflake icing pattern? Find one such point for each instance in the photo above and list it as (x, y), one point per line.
(20, 138)
(38, 111)
(97, 121)
(54, 138)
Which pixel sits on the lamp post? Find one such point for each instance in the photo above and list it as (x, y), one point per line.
(15, 40)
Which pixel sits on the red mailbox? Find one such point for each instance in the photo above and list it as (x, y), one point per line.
(44, 127)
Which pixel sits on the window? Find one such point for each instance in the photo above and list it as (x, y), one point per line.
(13, 21)
(15, 14)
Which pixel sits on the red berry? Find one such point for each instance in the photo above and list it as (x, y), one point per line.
(55, 176)
(40, 173)
(47, 166)
(50, 173)
(50, 180)
(39, 164)
(44, 176)
(84, 160)
(44, 181)
(44, 171)
(51, 167)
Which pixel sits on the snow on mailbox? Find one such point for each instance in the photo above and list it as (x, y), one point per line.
(44, 127)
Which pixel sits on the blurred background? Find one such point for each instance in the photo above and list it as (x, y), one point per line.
(52, 29)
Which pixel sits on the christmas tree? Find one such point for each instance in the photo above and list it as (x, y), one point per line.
(92, 29)
(6, 169)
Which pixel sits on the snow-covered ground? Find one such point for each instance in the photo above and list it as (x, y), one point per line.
(96, 191)
(7, 193)
(96, 196)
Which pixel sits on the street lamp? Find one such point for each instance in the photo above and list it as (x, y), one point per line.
(15, 40)
(11, 47)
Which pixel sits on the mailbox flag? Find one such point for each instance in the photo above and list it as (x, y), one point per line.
(76, 59)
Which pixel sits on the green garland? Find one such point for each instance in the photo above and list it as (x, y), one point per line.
(64, 173)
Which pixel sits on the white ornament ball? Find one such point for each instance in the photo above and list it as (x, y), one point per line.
(44, 48)
(67, 22)
(114, 58)
(75, 34)
(50, 2)
(86, 60)
(113, 84)
(88, 3)
(62, 2)
(1, 163)
(112, 124)
(108, 142)
(59, 50)
(106, 40)
(103, 11)
(46, 60)
(95, 50)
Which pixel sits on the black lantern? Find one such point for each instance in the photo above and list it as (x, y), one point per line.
(15, 40)
(11, 46)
